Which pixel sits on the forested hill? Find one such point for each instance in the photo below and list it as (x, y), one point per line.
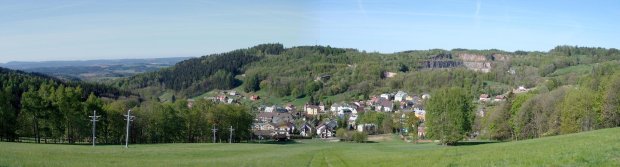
(320, 72)
(315, 71)
(16, 82)
(196, 75)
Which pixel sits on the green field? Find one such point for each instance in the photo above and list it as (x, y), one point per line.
(596, 148)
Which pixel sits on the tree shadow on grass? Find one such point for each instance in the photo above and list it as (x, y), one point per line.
(473, 143)
(369, 142)
(287, 142)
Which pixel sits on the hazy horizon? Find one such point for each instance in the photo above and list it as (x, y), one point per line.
(91, 30)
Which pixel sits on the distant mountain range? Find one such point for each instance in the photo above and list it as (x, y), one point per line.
(21, 65)
(94, 70)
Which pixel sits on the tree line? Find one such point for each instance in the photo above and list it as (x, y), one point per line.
(547, 110)
(591, 104)
(41, 110)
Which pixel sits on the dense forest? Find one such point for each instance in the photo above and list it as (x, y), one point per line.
(21, 91)
(193, 76)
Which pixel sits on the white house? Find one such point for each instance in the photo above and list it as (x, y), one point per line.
(368, 128)
(400, 96)
(327, 129)
(386, 96)
(270, 108)
(306, 130)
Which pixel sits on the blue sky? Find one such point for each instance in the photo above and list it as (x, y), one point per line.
(88, 29)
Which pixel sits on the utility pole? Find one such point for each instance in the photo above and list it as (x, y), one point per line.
(231, 133)
(214, 130)
(94, 119)
(129, 118)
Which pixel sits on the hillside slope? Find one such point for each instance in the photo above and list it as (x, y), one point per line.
(594, 148)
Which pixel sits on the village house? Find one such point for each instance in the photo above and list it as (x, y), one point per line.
(400, 96)
(254, 97)
(276, 109)
(409, 98)
(499, 98)
(335, 107)
(484, 98)
(343, 108)
(305, 130)
(290, 107)
(389, 74)
(384, 105)
(263, 126)
(273, 117)
(222, 98)
(284, 131)
(327, 129)
(420, 113)
(352, 122)
(312, 109)
(387, 96)
(520, 89)
(368, 128)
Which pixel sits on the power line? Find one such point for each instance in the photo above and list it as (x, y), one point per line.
(214, 130)
(231, 133)
(94, 119)
(129, 118)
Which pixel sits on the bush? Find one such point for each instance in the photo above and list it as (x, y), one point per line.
(344, 135)
(360, 137)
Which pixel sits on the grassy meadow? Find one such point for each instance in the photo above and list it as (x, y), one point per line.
(595, 148)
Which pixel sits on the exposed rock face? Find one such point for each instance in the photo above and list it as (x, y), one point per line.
(500, 57)
(478, 66)
(476, 62)
(472, 57)
(443, 60)
(442, 64)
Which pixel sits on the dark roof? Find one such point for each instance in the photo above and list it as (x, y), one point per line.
(330, 124)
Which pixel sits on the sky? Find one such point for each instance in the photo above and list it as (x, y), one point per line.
(112, 29)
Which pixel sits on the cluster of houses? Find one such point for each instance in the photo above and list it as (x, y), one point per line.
(283, 123)
(231, 97)
(287, 122)
(500, 98)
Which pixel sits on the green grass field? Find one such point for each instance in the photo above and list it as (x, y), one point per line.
(596, 148)
(578, 69)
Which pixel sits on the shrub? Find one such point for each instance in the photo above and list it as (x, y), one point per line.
(360, 137)
(345, 135)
